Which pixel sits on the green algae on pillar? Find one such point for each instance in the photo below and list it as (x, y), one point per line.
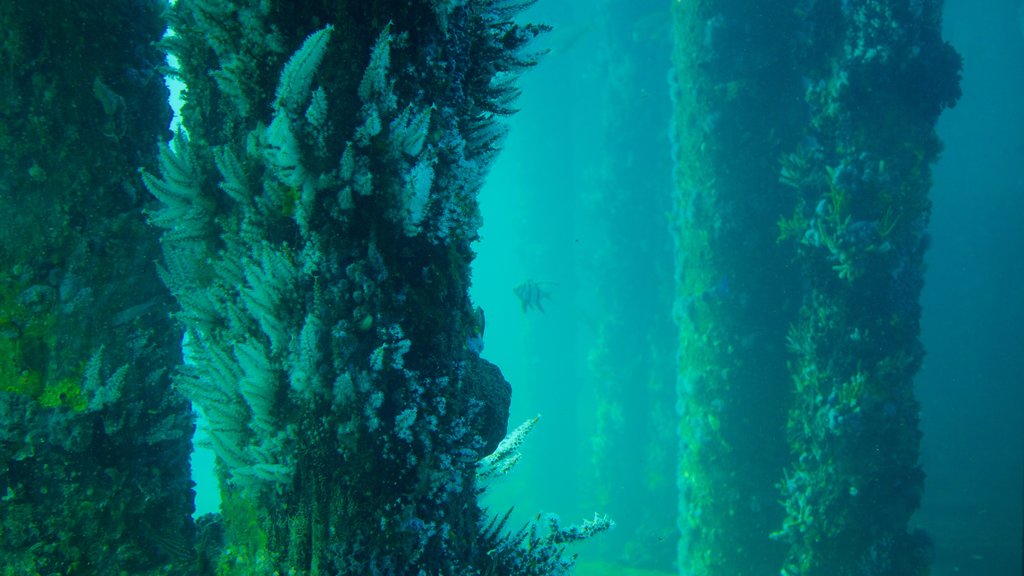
(822, 113)
(877, 76)
(736, 101)
(94, 444)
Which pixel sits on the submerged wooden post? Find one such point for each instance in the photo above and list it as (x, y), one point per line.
(631, 358)
(875, 84)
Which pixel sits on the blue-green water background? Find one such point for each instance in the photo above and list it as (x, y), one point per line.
(541, 222)
(536, 226)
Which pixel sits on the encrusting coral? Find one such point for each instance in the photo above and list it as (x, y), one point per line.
(94, 443)
(319, 217)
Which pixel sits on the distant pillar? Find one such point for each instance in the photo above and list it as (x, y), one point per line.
(805, 134)
(94, 444)
(631, 360)
(737, 107)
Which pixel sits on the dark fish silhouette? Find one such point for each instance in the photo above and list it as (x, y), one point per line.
(531, 294)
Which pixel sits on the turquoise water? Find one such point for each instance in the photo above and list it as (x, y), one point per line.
(540, 223)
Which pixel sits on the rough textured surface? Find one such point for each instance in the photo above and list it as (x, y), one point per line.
(801, 236)
(319, 220)
(94, 445)
(486, 384)
(736, 288)
(857, 228)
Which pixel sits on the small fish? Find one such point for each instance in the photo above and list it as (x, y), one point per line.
(532, 293)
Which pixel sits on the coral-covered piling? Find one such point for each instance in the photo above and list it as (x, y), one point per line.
(319, 217)
(94, 444)
(804, 139)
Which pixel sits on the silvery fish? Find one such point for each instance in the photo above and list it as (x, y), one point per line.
(532, 293)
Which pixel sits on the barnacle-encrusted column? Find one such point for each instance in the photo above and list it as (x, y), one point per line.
(94, 446)
(877, 75)
(737, 108)
(318, 218)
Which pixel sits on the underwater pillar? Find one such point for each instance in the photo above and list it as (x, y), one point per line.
(94, 445)
(805, 134)
(631, 358)
(736, 107)
(876, 77)
(318, 217)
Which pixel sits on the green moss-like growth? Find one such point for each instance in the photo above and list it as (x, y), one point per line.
(95, 443)
(26, 343)
(64, 393)
(735, 280)
(247, 553)
(26, 337)
(860, 180)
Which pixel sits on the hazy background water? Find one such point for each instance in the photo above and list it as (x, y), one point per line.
(972, 383)
(537, 226)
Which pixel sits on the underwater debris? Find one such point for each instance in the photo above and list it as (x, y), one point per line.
(532, 294)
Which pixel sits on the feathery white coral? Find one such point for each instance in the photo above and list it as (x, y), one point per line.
(416, 195)
(506, 455)
(282, 152)
(306, 357)
(259, 385)
(180, 182)
(209, 378)
(316, 113)
(293, 90)
(409, 130)
(230, 78)
(298, 104)
(234, 183)
(101, 392)
(375, 78)
(270, 280)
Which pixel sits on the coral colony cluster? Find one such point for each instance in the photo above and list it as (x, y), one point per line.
(316, 212)
(320, 256)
